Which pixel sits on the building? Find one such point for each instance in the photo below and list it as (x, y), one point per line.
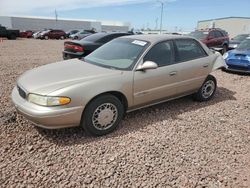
(40, 23)
(233, 25)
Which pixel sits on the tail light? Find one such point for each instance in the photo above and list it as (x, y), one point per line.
(74, 47)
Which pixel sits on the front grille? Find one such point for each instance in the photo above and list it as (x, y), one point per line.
(21, 92)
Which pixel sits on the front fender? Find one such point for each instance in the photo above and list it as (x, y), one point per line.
(219, 62)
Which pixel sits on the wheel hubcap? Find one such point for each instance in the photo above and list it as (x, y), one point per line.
(104, 116)
(208, 89)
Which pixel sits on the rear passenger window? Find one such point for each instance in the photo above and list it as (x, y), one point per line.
(188, 50)
(161, 54)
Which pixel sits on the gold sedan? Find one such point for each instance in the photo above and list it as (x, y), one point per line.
(123, 75)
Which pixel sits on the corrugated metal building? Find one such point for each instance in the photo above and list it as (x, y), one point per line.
(233, 25)
(40, 23)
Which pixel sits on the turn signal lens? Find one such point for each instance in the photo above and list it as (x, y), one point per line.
(64, 100)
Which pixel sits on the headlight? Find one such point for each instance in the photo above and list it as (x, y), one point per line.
(235, 46)
(47, 100)
(225, 55)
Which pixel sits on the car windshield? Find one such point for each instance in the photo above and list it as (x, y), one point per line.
(244, 45)
(199, 34)
(118, 54)
(240, 37)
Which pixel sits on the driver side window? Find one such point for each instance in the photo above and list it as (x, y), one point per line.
(161, 54)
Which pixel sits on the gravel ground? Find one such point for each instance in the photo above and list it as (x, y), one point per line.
(181, 143)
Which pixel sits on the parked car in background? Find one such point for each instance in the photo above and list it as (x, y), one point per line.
(214, 38)
(123, 75)
(53, 34)
(36, 34)
(26, 34)
(81, 34)
(71, 32)
(11, 34)
(234, 42)
(41, 33)
(81, 48)
(238, 60)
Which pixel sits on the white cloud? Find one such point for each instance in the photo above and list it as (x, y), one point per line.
(24, 7)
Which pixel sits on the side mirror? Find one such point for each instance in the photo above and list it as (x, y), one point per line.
(147, 65)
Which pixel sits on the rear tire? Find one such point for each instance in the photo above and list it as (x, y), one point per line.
(62, 37)
(102, 115)
(207, 90)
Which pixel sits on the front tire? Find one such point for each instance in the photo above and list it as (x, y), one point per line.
(207, 90)
(46, 37)
(102, 115)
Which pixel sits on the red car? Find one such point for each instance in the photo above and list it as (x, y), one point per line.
(53, 34)
(26, 34)
(213, 38)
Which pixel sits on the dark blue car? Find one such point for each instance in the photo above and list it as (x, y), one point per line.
(238, 60)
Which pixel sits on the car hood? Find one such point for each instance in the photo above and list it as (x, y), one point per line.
(48, 78)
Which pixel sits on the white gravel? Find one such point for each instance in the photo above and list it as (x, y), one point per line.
(180, 143)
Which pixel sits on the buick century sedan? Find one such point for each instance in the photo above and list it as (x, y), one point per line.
(123, 75)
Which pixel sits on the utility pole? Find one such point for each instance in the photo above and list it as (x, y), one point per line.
(156, 24)
(162, 5)
(56, 16)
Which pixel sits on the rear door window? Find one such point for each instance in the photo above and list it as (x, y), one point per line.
(188, 49)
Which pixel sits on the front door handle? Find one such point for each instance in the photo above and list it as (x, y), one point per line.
(205, 65)
(173, 73)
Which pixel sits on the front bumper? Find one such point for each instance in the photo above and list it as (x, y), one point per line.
(229, 69)
(240, 66)
(47, 117)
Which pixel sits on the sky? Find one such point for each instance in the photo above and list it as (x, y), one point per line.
(178, 15)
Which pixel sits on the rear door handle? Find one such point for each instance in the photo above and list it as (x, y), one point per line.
(205, 65)
(173, 73)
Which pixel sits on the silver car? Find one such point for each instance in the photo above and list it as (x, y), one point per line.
(123, 75)
(80, 35)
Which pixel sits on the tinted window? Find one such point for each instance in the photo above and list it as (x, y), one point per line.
(111, 37)
(188, 50)
(95, 37)
(161, 54)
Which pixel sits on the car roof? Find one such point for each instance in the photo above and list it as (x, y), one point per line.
(154, 38)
